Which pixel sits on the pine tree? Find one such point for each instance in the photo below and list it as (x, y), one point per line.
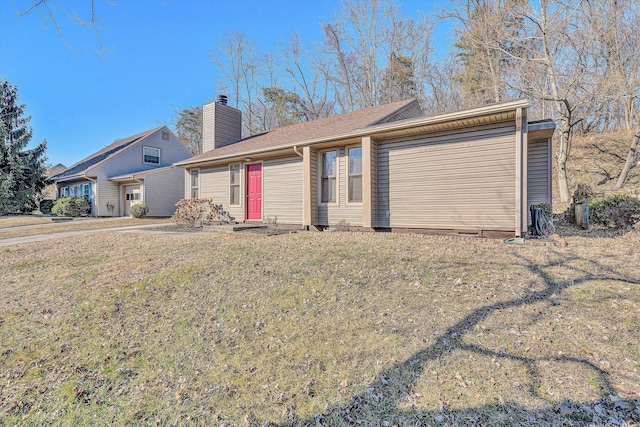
(22, 170)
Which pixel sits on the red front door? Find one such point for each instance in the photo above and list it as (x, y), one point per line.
(254, 192)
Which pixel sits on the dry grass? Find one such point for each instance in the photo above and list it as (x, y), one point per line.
(597, 160)
(20, 221)
(319, 329)
(49, 227)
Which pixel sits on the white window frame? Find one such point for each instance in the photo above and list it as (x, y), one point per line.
(336, 177)
(349, 175)
(194, 187)
(236, 184)
(144, 156)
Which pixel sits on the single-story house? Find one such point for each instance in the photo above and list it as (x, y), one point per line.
(383, 168)
(129, 171)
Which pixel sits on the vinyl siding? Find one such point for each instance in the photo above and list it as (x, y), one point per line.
(162, 190)
(282, 190)
(331, 214)
(538, 172)
(130, 160)
(214, 184)
(463, 180)
(221, 126)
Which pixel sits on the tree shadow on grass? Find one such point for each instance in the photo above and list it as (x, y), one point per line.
(384, 402)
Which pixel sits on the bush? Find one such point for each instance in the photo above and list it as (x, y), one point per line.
(139, 210)
(618, 210)
(198, 212)
(71, 206)
(46, 205)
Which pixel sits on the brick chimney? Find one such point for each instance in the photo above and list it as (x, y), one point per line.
(221, 124)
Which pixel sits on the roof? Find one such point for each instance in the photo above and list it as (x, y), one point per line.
(107, 152)
(315, 129)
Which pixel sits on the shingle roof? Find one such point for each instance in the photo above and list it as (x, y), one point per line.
(315, 129)
(101, 155)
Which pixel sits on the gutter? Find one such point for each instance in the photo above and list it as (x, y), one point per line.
(373, 130)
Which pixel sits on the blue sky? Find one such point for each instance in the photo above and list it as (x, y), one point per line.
(157, 61)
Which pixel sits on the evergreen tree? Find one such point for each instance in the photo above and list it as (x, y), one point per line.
(22, 170)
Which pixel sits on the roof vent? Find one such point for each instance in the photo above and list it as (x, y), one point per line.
(222, 99)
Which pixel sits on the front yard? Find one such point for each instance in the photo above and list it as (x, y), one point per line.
(319, 329)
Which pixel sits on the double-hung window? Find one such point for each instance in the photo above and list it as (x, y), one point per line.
(355, 174)
(195, 183)
(151, 155)
(234, 184)
(328, 178)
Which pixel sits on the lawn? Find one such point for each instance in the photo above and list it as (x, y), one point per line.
(319, 329)
(22, 226)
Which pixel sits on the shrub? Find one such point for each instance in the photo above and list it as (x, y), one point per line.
(198, 212)
(618, 210)
(71, 206)
(46, 205)
(139, 210)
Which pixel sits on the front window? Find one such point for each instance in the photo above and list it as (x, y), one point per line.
(355, 174)
(234, 184)
(151, 155)
(195, 184)
(328, 185)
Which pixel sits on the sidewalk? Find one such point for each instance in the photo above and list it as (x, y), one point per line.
(41, 237)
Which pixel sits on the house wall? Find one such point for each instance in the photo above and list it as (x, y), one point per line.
(59, 190)
(128, 161)
(332, 213)
(162, 190)
(464, 180)
(539, 172)
(282, 188)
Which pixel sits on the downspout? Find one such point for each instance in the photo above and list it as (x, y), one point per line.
(295, 150)
(95, 181)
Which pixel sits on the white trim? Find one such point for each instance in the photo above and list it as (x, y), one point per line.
(152, 148)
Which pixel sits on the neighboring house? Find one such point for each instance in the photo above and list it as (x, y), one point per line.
(50, 190)
(382, 168)
(129, 171)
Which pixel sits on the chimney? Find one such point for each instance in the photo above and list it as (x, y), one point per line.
(221, 124)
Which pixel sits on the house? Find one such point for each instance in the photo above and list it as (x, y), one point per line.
(382, 168)
(129, 171)
(50, 190)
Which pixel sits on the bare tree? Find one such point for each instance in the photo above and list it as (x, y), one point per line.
(48, 10)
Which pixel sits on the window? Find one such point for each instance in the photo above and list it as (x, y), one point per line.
(151, 155)
(76, 191)
(195, 181)
(87, 192)
(328, 180)
(355, 174)
(165, 135)
(234, 184)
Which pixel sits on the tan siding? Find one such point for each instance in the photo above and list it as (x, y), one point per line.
(162, 190)
(282, 190)
(331, 214)
(214, 184)
(538, 172)
(451, 181)
(314, 186)
(221, 126)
